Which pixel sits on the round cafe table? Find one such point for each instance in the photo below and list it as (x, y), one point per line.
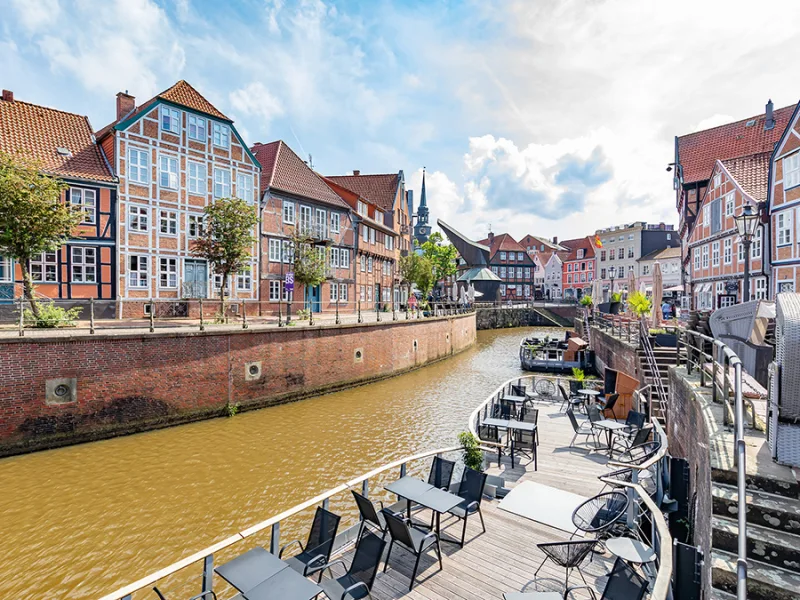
(587, 396)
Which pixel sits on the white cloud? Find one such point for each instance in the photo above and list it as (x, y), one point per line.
(412, 81)
(713, 121)
(256, 100)
(37, 15)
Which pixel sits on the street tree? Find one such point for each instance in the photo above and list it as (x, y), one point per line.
(418, 270)
(442, 256)
(33, 217)
(308, 261)
(227, 239)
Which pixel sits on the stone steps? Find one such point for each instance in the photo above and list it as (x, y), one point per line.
(763, 509)
(764, 582)
(765, 545)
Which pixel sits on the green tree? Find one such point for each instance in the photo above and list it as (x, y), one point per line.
(227, 239)
(309, 262)
(442, 256)
(33, 217)
(419, 270)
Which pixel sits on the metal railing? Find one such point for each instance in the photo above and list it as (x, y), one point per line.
(652, 363)
(623, 327)
(206, 555)
(704, 352)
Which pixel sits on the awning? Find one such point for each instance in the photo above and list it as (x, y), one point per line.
(674, 288)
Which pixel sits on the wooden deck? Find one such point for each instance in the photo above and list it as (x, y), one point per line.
(505, 558)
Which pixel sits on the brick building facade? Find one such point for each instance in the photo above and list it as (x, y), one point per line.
(174, 155)
(511, 262)
(578, 270)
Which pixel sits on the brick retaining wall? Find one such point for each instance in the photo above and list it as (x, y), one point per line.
(613, 353)
(129, 383)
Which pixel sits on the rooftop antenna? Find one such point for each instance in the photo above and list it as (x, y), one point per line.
(310, 162)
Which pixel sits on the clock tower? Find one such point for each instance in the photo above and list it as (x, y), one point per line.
(422, 230)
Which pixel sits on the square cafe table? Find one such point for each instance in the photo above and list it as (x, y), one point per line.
(253, 567)
(610, 427)
(424, 494)
(287, 584)
(510, 425)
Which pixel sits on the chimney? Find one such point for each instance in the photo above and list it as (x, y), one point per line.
(125, 105)
(555, 240)
(8, 96)
(491, 238)
(356, 172)
(769, 122)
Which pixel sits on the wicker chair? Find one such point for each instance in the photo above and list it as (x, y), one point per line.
(568, 554)
(597, 515)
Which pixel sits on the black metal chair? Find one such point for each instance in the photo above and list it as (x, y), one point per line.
(584, 428)
(491, 434)
(636, 455)
(609, 404)
(414, 540)
(568, 400)
(569, 554)
(369, 516)
(441, 473)
(357, 581)
(623, 444)
(597, 515)
(634, 421)
(471, 490)
(207, 594)
(624, 583)
(318, 546)
(525, 443)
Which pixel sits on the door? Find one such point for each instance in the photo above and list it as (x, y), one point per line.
(312, 298)
(195, 279)
(6, 279)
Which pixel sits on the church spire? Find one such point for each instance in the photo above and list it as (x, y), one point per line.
(422, 200)
(422, 230)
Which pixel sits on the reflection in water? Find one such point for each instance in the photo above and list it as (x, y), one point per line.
(78, 522)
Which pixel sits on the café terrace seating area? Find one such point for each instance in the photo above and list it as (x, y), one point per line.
(543, 529)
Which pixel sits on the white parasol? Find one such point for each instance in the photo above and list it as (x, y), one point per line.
(658, 293)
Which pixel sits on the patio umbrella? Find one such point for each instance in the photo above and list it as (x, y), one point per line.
(454, 294)
(462, 296)
(631, 283)
(658, 292)
(471, 293)
(597, 293)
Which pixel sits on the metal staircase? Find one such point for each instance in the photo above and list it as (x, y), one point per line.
(651, 366)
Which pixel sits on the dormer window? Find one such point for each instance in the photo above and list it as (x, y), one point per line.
(170, 120)
(580, 252)
(717, 180)
(222, 135)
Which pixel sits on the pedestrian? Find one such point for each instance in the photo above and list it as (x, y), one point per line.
(665, 309)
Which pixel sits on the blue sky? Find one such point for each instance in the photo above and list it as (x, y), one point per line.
(537, 117)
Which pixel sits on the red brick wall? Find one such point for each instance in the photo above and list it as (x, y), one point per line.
(134, 383)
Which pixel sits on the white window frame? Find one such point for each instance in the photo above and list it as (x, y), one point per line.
(222, 183)
(222, 135)
(167, 273)
(275, 290)
(336, 224)
(369, 264)
(167, 167)
(138, 218)
(321, 223)
(138, 165)
(372, 235)
(47, 264)
(783, 224)
(306, 219)
(196, 226)
(83, 267)
(365, 234)
(197, 177)
(344, 258)
(244, 187)
(138, 271)
(727, 251)
(289, 213)
(274, 249)
(198, 125)
(168, 222)
(717, 180)
(755, 247)
(502, 256)
(333, 258)
(705, 256)
(6, 269)
(86, 203)
(759, 288)
(244, 279)
(362, 260)
(791, 171)
(715, 254)
(334, 291)
(172, 118)
(706, 216)
(730, 204)
(343, 293)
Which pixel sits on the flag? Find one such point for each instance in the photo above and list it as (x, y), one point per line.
(597, 241)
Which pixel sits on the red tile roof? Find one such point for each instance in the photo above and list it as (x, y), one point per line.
(698, 151)
(751, 173)
(283, 170)
(38, 131)
(183, 94)
(379, 189)
(586, 243)
(504, 242)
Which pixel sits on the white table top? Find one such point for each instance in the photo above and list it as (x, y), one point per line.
(509, 424)
(589, 392)
(631, 550)
(609, 424)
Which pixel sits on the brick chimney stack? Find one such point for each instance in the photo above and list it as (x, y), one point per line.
(125, 105)
(8, 96)
(356, 172)
(491, 238)
(555, 240)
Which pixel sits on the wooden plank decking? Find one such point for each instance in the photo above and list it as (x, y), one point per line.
(505, 558)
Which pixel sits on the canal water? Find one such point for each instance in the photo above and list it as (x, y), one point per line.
(79, 522)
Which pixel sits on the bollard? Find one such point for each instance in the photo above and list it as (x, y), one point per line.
(377, 312)
(21, 319)
(152, 316)
(394, 312)
(244, 315)
(360, 320)
(202, 321)
(310, 315)
(91, 316)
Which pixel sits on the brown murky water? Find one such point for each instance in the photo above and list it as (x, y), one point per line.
(79, 522)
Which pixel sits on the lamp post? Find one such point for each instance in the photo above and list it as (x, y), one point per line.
(747, 224)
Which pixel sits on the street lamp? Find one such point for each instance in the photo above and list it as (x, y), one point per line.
(746, 224)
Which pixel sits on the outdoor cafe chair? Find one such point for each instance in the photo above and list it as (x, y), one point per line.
(357, 581)
(369, 516)
(471, 492)
(318, 546)
(525, 443)
(623, 583)
(636, 455)
(623, 444)
(441, 473)
(634, 421)
(584, 428)
(609, 404)
(567, 554)
(567, 400)
(415, 541)
(203, 595)
(491, 434)
(597, 515)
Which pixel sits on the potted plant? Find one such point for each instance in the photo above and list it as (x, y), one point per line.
(577, 381)
(472, 453)
(664, 338)
(615, 304)
(639, 304)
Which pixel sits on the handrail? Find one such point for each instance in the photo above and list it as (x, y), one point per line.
(644, 340)
(181, 564)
